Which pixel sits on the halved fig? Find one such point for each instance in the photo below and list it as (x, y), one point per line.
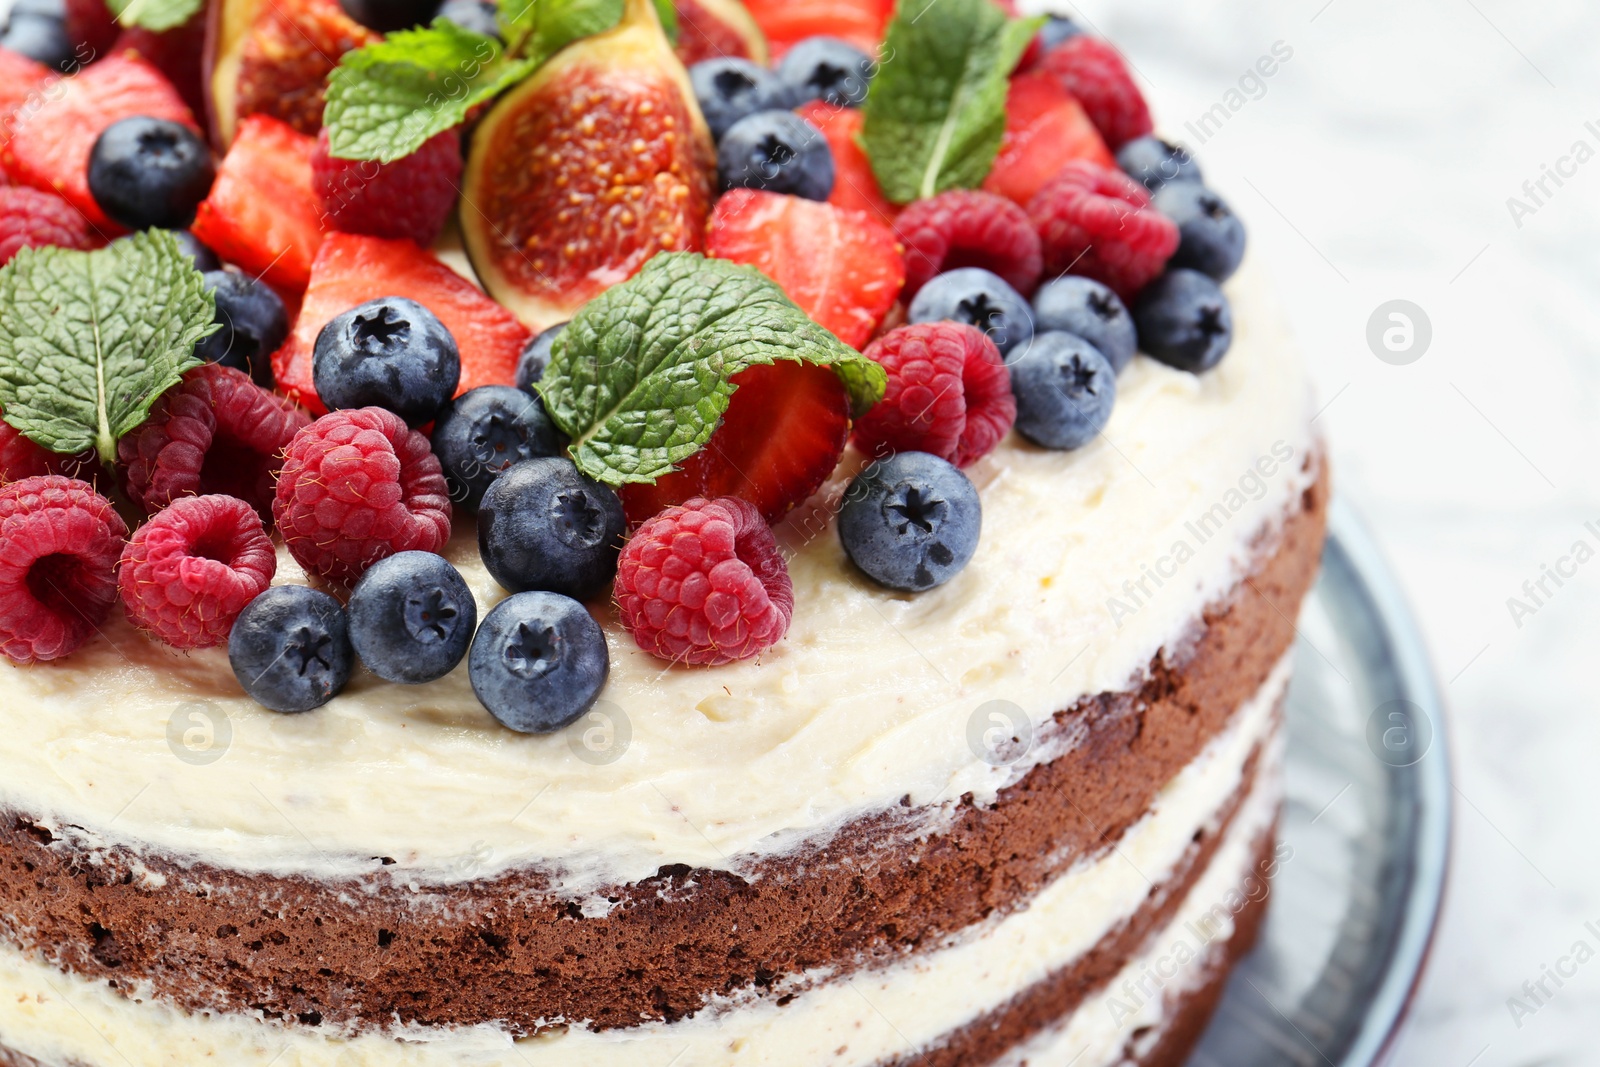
(709, 29)
(273, 57)
(586, 170)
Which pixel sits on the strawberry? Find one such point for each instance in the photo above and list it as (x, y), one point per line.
(843, 268)
(788, 22)
(91, 26)
(51, 142)
(854, 184)
(351, 270)
(177, 53)
(262, 214)
(1046, 128)
(782, 435)
(22, 85)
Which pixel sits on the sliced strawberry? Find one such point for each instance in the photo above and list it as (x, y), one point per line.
(782, 435)
(1046, 128)
(351, 270)
(788, 22)
(50, 147)
(262, 214)
(854, 185)
(22, 81)
(843, 268)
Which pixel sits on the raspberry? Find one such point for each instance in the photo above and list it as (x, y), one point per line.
(187, 573)
(33, 219)
(949, 394)
(20, 458)
(410, 197)
(1094, 72)
(59, 543)
(703, 583)
(358, 486)
(218, 432)
(968, 228)
(1098, 222)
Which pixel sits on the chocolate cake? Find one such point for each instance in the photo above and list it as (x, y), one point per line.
(1014, 805)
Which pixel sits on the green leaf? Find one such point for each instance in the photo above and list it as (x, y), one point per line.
(640, 377)
(538, 29)
(936, 111)
(155, 15)
(667, 12)
(89, 340)
(385, 100)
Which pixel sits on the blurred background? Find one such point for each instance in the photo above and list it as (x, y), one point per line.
(1447, 154)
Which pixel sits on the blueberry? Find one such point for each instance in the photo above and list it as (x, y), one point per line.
(485, 431)
(828, 69)
(1058, 30)
(539, 662)
(543, 525)
(1083, 306)
(1065, 390)
(777, 151)
(290, 649)
(41, 36)
(729, 88)
(536, 356)
(1153, 162)
(387, 16)
(911, 521)
(475, 15)
(148, 173)
(1184, 320)
(254, 325)
(412, 618)
(390, 353)
(1211, 237)
(978, 298)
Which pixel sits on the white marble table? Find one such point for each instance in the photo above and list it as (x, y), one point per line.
(1376, 164)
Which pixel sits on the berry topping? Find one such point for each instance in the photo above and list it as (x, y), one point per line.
(1098, 223)
(1046, 128)
(21, 458)
(782, 435)
(412, 618)
(59, 545)
(729, 88)
(1184, 321)
(290, 649)
(1065, 390)
(411, 197)
(387, 16)
(827, 69)
(356, 487)
(217, 433)
(910, 522)
(536, 356)
(33, 219)
(968, 228)
(543, 525)
(1210, 236)
(41, 36)
(704, 584)
(485, 431)
(539, 662)
(1094, 72)
(777, 151)
(188, 572)
(1082, 306)
(949, 394)
(978, 298)
(843, 268)
(855, 186)
(1152, 162)
(254, 324)
(150, 173)
(788, 22)
(391, 353)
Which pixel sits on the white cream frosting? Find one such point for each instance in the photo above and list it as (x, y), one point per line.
(867, 701)
(863, 1020)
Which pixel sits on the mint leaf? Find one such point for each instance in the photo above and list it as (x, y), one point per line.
(537, 29)
(385, 100)
(89, 340)
(667, 12)
(640, 377)
(155, 15)
(936, 111)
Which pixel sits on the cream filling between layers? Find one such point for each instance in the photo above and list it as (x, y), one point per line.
(856, 1021)
(1090, 562)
